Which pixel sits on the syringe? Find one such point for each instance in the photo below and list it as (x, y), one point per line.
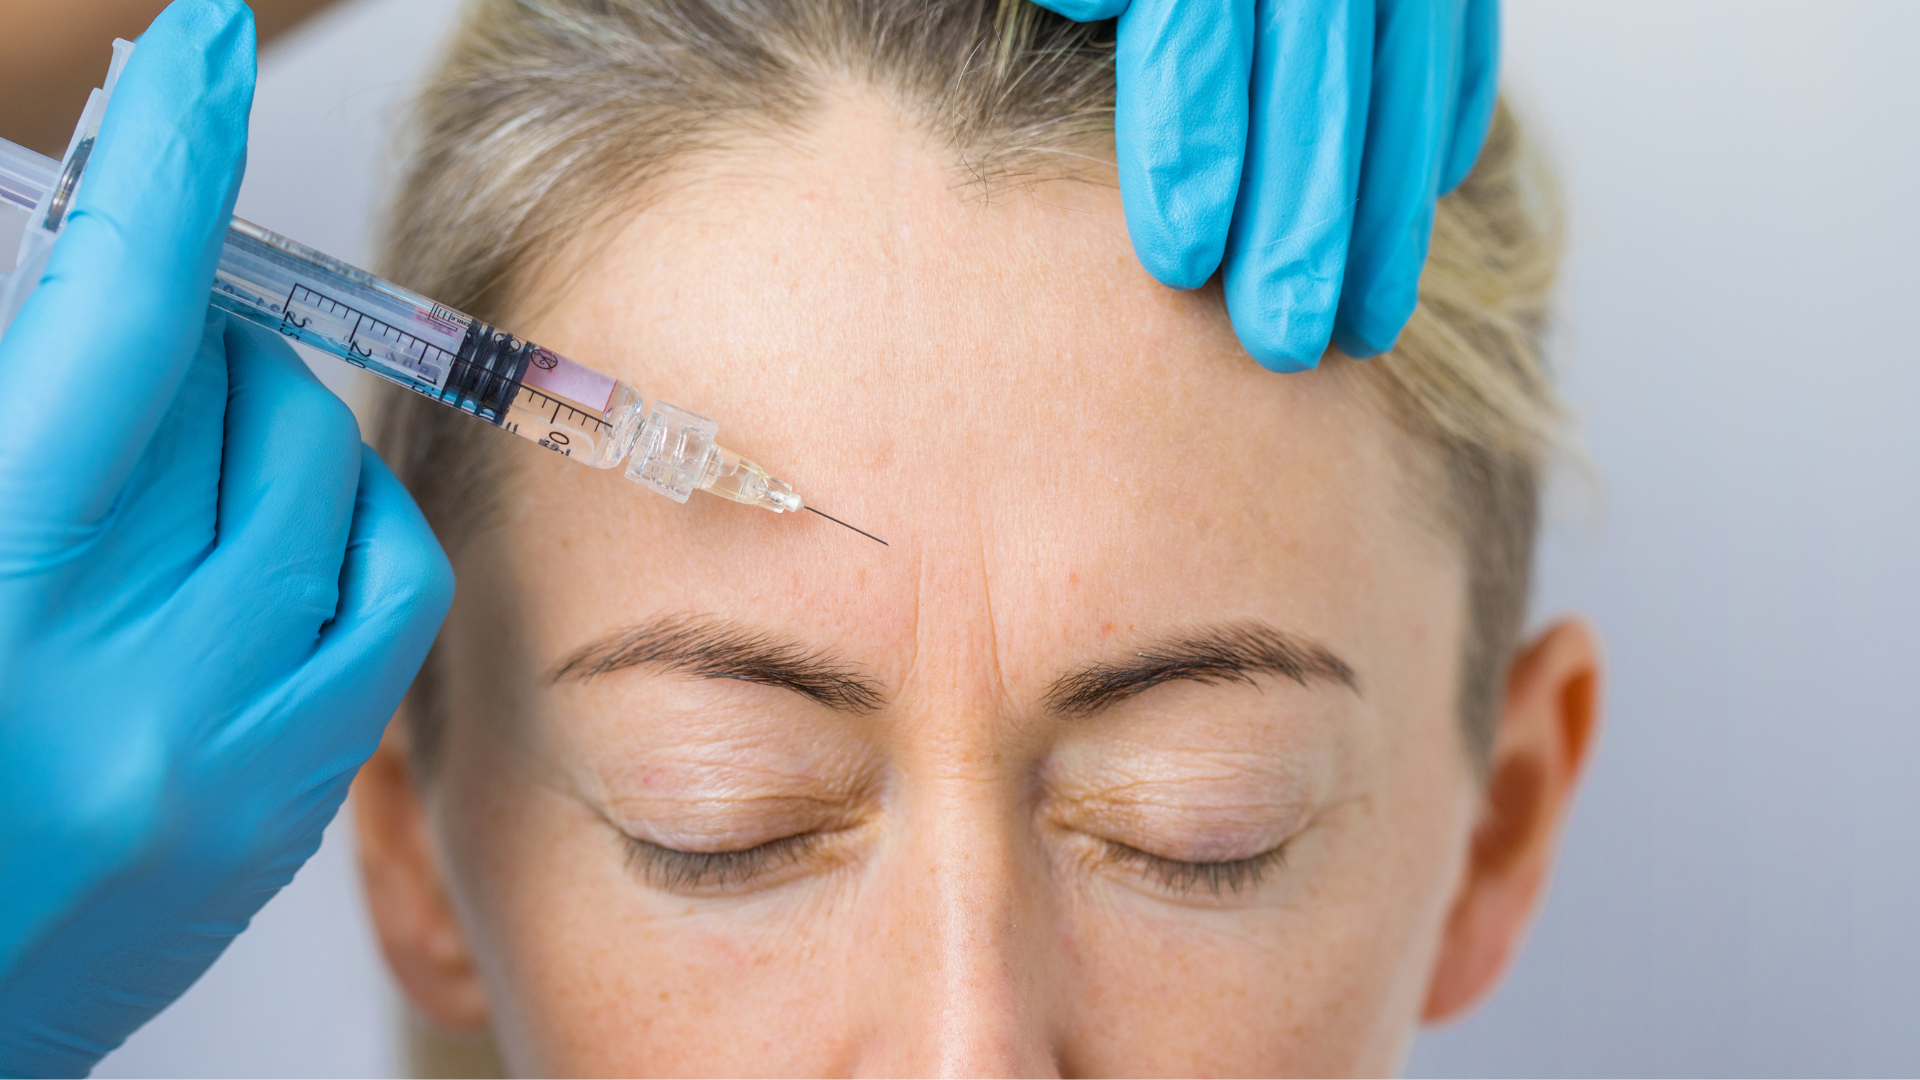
(407, 339)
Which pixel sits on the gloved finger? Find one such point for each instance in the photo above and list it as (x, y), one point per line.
(287, 490)
(1085, 10)
(395, 588)
(1415, 89)
(165, 522)
(1479, 90)
(93, 360)
(1180, 130)
(160, 528)
(1287, 250)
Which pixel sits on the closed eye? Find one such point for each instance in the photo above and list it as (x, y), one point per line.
(1177, 875)
(675, 870)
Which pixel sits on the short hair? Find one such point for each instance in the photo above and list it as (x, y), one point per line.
(543, 109)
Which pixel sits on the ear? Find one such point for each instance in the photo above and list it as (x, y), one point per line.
(406, 893)
(1547, 727)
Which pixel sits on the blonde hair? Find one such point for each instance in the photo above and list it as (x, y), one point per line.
(548, 117)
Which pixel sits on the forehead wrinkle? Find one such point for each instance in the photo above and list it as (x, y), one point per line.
(996, 677)
(954, 645)
(986, 301)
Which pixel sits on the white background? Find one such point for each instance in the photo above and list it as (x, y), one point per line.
(1741, 889)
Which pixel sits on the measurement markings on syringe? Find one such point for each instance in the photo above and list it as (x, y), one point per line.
(559, 413)
(404, 350)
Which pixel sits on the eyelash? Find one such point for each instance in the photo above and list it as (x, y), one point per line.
(1232, 876)
(673, 870)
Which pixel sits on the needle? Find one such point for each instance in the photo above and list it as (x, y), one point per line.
(862, 532)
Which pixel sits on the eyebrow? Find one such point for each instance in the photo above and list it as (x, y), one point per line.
(1233, 653)
(704, 647)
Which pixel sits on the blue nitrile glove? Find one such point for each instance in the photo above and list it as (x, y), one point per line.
(211, 596)
(1299, 145)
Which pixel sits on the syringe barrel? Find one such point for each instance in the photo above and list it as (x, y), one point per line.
(385, 329)
(453, 358)
(25, 176)
(428, 348)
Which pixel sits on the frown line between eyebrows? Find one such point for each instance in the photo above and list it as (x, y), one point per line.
(1233, 653)
(704, 647)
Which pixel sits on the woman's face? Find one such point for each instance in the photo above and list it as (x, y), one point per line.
(1136, 750)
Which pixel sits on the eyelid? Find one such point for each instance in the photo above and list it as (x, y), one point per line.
(675, 870)
(1180, 876)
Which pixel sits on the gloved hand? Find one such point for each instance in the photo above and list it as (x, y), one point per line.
(211, 596)
(1301, 146)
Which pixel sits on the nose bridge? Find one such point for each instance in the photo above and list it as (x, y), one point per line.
(962, 969)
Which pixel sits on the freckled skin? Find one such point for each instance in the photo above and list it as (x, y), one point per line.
(1069, 461)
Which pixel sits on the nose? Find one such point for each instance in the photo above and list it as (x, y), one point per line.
(960, 951)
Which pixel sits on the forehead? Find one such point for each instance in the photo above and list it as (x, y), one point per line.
(1057, 448)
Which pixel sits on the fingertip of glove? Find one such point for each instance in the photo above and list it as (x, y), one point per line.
(1085, 10)
(1283, 363)
(201, 49)
(1179, 243)
(1284, 316)
(1178, 193)
(1278, 346)
(1175, 266)
(1357, 347)
(1370, 319)
(1363, 337)
(430, 583)
(411, 553)
(183, 103)
(161, 184)
(205, 20)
